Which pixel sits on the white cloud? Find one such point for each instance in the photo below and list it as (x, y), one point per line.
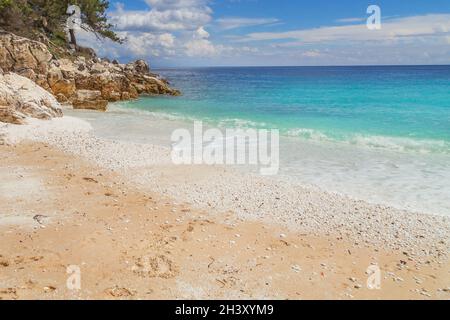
(176, 4)
(200, 48)
(237, 22)
(312, 54)
(176, 19)
(138, 44)
(427, 25)
(351, 20)
(177, 32)
(201, 33)
(167, 27)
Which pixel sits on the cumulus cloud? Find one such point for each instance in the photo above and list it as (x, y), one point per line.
(138, 44)
(200, 48)
(201, 33)
(166, 28)
(161, 18)
(178, 30)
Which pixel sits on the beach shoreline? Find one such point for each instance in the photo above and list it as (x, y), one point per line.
(92, 184)
(250, 196)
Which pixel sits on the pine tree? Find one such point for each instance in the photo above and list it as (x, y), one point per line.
(26, 17)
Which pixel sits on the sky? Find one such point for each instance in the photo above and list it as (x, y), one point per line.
(181, 33)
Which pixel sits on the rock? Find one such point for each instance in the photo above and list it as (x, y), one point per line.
(141, 66)
(86, 72)
(20, 97)
(11, 115)
(89, 99)
(61, 98)
(54, 75)
(126, 96)
(18, 53)
(89, 53)
(41, 80)
(67, 66)
(98, 68)
(27, 73)
(115, 96)
(65, 87)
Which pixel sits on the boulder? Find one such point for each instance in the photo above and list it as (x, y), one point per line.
(27, 73)
(18, 53)
(141, 66)
(98, 68)
(61, 98)
(65, 87)
(89, 99)
(20, 98)
(11, 115)
(54, 76)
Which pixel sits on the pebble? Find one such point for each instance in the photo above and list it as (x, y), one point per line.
(296, 268)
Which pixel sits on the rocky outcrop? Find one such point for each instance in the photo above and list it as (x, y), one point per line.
(89, 99)
(83, 82)
(21, 98)
(22, 55)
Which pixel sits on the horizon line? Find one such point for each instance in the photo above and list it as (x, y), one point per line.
(304, 66)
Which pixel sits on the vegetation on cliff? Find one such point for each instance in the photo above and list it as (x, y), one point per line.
(30, 18)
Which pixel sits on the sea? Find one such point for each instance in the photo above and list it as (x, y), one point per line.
(374, 133)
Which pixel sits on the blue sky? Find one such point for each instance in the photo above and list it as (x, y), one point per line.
(171, 33)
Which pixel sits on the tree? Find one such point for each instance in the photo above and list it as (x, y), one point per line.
(49, 16)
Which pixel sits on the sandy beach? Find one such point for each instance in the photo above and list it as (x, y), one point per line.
(138, 227)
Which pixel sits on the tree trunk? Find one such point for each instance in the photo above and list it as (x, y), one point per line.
(73, 39)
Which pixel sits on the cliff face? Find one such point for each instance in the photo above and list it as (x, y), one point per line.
(86, 83)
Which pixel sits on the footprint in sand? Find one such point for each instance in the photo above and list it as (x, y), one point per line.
(8, 294)
(4, 262)
(119, 292)
(156, 267)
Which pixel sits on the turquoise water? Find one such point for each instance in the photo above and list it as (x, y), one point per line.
(403, 108)
(380, 134)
